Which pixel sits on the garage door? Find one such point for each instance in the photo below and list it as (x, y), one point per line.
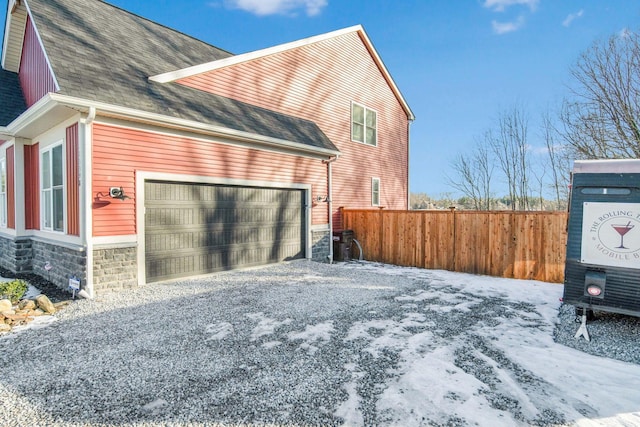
(193, 229)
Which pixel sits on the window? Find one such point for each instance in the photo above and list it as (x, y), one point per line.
(610, 191)
(52, 189)
(3, 192)
(364, 125)
(375, 191)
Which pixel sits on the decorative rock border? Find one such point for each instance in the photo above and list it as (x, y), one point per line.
(26, 311)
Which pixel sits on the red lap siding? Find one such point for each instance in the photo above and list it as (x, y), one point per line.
(119, 152)
(318, 82)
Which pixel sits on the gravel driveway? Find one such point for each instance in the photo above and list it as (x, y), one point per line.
(295, 344)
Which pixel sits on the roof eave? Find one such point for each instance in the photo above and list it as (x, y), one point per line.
(116, 111)
(5, 134)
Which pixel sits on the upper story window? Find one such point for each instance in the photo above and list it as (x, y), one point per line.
(375, 191)
(3, 192)
(364, 125)
(52, 188)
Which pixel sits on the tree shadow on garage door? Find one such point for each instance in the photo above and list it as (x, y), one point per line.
(247, 226)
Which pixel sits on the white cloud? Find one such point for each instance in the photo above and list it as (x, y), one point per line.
(572, 17)
(507, 27)
(501, 5)
(277, 7)
(625, 33)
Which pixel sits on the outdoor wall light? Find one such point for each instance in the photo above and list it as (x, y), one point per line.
(117, 193)
(322, 198)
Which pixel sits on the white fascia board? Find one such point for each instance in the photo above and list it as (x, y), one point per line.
(172, 76)
(53, 100)
(233, 60)
(189, 125)
(37, 110)
(7, 24)
(387, 75)
(5, 134)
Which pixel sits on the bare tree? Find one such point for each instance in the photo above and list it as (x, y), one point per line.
(602, 121)
(473, 176)
(509, 145)
(485, 174)
(559, 162)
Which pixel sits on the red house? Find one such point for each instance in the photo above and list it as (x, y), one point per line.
(133, 153)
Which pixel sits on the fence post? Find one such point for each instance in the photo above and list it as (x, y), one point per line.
(381, 253)
(454, 236)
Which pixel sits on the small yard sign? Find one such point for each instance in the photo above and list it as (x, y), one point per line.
(74, 284)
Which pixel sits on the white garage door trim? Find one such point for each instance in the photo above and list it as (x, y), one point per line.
(141, 177)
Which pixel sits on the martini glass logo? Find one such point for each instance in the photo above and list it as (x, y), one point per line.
(622, 230)
(620, 235)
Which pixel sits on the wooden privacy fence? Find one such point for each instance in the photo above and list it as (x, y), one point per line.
(513, 244)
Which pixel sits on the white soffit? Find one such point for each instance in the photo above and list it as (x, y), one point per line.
(16, 20)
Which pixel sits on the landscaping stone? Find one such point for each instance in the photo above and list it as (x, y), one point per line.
(27, 304)
(45, 304)
(5, 305)
(26, 311)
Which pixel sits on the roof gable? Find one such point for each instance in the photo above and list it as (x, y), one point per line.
(178, 74)
(103, 54)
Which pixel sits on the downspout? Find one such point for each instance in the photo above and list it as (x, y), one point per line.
(330, 204)
(86, 210)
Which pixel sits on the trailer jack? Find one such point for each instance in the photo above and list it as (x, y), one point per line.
(582, 330)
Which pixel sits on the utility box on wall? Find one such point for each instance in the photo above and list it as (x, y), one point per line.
(602, 270)
(342, 241)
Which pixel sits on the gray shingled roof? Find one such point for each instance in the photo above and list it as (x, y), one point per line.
(12, 100)
(103, 53)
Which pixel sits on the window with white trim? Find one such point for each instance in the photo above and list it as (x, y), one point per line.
(364, 125)
(52, 188)
(375, 191)
(3, 192)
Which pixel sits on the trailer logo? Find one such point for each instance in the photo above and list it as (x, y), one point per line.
(611, 234)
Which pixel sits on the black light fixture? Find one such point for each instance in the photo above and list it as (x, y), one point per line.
(117, 193)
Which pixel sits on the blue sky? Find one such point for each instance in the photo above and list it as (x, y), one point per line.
(458, 63)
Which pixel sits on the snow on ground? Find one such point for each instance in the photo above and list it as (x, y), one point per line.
(303, 343)
(505, 362)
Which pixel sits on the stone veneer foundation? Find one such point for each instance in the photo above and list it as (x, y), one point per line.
(114, 267)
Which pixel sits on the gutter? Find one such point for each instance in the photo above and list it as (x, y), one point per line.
(52, 100)
(190, 125)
